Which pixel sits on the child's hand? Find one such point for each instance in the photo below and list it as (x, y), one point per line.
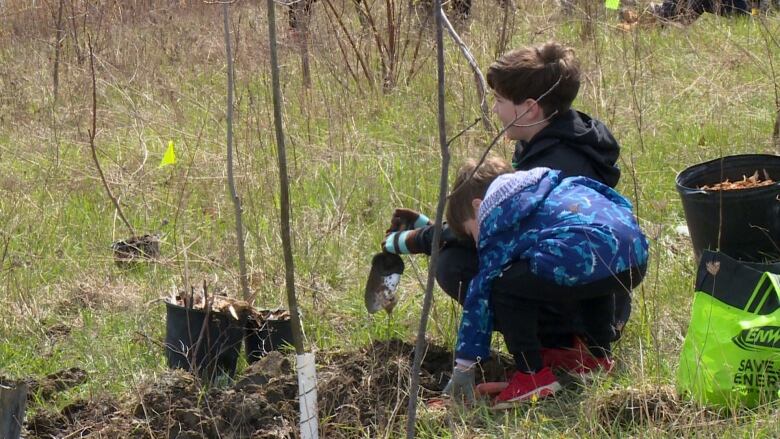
(407, 219)
(401, 237)
(461, 385)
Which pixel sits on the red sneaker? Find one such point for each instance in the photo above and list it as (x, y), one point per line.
(524, 387)
(561, 359)
(589, 364)
(592, 366)
(576, 360)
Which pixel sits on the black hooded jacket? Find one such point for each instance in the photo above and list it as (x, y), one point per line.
(574, 144)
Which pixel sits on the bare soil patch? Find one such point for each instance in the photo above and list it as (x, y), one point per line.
(358, 391)
(55, 382)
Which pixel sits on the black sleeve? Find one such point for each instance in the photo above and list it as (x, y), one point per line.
(424, 239)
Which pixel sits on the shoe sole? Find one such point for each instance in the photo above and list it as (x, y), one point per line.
(539, 392)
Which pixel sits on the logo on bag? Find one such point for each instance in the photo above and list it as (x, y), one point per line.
(759, 338)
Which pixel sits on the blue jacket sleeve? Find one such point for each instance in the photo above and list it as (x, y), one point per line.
(476, 324)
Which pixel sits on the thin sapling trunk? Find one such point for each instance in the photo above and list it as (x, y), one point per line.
(92, 132)
(231, 180)
(55, 78)
(419, 348)
(284, 195)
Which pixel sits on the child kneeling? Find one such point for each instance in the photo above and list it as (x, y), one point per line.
(540, 239)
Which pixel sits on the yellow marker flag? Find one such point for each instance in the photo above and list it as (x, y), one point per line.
(612, 4)
(170, 156)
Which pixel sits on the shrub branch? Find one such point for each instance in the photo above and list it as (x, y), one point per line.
(478, 77)
(92, 146)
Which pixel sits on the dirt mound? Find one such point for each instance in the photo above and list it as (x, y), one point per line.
(363, 391)
(177, 406)
(47, 387)
(101, 417)
(369, 389)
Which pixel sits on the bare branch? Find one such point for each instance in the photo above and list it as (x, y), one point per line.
(478, 77)
(463, 131)
(92, 147)
(352, 43)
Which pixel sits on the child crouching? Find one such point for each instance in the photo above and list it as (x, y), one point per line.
(540, 239)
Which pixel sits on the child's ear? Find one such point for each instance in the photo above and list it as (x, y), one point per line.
(535, 109)
(475, 203)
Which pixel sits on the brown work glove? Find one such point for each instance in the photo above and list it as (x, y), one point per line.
(407, 219)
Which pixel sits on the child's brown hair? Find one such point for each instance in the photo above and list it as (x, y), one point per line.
(530, 72)
(465, 189)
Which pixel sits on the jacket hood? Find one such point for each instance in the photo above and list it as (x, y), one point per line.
(578, 131)
(535, 184)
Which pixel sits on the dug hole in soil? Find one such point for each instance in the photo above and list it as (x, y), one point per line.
(359, 392)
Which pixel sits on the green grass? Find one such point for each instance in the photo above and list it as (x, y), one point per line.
(673, 97)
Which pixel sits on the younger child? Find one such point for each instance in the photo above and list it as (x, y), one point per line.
(541, 239)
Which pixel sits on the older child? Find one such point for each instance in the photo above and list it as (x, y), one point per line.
(542, 238)
(534, 88)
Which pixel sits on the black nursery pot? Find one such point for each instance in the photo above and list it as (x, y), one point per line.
(219, 347)
(264, 335)
(13, 403)
(742, 223)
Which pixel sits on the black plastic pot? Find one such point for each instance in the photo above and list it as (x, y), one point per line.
(264, 335)
(218, 349)
(13, 403)
(743, 223)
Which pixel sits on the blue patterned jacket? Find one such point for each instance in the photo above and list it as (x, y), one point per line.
(572, 231)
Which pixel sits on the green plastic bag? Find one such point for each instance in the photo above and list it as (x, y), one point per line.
(731, 354)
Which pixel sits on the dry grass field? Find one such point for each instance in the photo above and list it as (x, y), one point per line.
(361, 140)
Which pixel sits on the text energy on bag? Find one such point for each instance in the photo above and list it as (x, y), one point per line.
(731, 353)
